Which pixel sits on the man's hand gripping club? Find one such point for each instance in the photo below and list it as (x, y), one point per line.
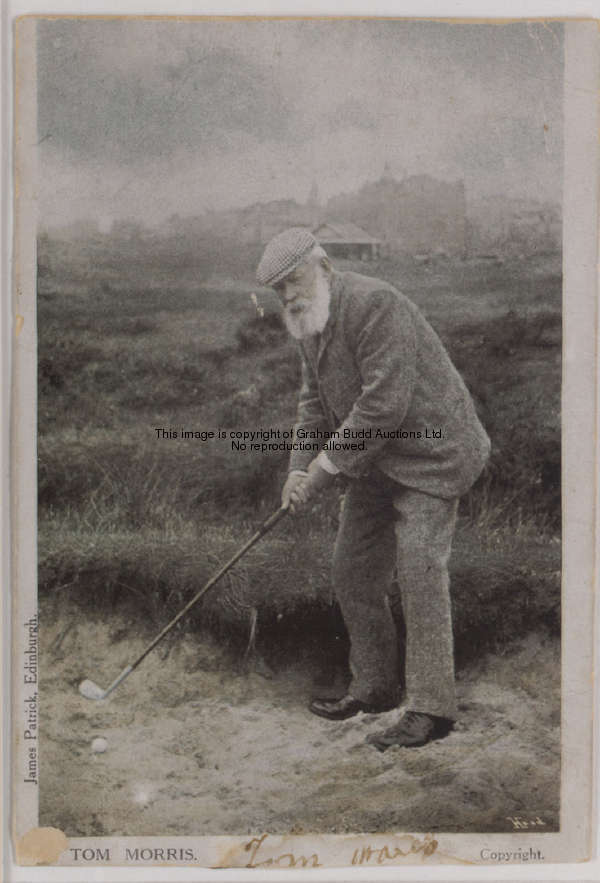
(301, 487)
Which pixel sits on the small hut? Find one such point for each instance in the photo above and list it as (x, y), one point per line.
(345, 240)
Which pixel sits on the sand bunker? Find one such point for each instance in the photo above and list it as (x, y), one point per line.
(196, 747)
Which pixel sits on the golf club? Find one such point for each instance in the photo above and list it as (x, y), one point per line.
(90, 690)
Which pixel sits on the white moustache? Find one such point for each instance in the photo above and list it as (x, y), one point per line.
(298, 306)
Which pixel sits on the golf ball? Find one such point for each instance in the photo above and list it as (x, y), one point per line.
(99, 745)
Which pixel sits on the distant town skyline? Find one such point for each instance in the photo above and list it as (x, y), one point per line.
(146, 119)
(312, 210)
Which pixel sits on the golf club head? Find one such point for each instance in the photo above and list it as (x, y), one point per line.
(90, 690)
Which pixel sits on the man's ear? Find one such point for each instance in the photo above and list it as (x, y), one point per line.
(326, 264)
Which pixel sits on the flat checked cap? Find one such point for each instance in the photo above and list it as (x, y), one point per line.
(283, 254)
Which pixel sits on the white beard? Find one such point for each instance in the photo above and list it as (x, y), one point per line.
(315, 312)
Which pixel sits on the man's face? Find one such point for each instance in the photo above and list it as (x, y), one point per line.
(305, 298)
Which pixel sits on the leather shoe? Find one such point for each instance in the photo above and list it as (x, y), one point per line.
(412, 730)
(347, 706)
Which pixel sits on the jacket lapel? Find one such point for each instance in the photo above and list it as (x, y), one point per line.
(334, 302)
(309, 347)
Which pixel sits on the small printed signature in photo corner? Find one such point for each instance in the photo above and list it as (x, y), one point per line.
(525, 854)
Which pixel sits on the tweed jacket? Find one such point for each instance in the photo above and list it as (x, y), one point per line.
(380, 376)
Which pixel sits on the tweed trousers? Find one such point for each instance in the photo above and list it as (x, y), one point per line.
(385, 526)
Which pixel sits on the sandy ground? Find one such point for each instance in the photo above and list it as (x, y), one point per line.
(196, 746)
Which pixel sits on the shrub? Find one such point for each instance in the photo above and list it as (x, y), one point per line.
(261, 332)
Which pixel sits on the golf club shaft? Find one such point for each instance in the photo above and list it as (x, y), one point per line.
(263, 529)
(127, 670)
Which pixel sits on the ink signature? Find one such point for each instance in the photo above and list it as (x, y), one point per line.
(364, 855)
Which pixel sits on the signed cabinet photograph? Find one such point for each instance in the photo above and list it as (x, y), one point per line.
(303, 428)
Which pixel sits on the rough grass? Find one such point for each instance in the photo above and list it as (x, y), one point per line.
(131, 521)
(504, 584)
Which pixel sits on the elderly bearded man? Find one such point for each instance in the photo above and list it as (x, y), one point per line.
(374, 369)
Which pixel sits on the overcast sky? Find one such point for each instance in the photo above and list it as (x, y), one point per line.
(145, 119)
